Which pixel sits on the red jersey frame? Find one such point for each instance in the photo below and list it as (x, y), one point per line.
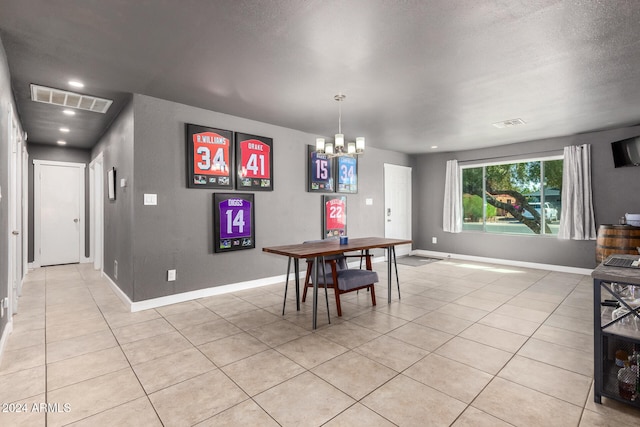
(210, 157)
(254, 161)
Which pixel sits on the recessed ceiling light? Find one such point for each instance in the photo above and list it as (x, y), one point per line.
(509, 123)
(433, 147)
(69, 112)
(65, 130)
(61, 142)
(76, 83)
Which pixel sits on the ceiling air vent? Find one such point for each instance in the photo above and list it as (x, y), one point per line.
(65, 98)
(509, 123)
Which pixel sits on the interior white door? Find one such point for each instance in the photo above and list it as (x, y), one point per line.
(60, 215)
(397, 205)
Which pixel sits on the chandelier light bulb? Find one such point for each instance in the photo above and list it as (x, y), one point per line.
(328, 148)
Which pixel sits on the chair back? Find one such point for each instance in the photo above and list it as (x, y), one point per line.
(341, 261)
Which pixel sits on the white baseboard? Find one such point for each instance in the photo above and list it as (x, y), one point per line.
(116, 289)
(551, 267)
(250, 284)
(8, 328)
(200, 293)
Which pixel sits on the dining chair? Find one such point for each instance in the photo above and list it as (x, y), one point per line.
(341, 278)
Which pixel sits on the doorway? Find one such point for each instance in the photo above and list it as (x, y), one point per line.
(58, 212)
(397, 205)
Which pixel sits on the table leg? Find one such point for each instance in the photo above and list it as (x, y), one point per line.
(395, 265)
(296, 269)
(389, 274)
(326, 294)
(315, 292)
(286, 286)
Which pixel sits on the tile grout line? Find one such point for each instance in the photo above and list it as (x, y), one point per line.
(364, 312)
(515, 353)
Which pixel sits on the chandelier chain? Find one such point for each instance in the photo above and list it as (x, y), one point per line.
(339, 116)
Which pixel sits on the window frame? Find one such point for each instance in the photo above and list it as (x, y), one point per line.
(471, 164)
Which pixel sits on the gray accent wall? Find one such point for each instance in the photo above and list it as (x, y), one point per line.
(178, 232)
(615, 191)
(58, 154)
(117, 147)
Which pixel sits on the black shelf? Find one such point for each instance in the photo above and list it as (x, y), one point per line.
(617, 286)
(610, 382)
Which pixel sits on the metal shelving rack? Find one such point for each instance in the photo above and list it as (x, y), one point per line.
(611, 335)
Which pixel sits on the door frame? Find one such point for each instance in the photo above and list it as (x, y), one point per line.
(96, 211)
(391, 168)
(25, 208)
(37, 214)
(15, 186)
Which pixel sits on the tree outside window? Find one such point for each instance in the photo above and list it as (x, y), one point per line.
(521, 198)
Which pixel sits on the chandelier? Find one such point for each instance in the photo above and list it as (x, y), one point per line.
(337, 148)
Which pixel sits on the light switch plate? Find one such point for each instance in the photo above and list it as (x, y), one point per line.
(151, 199)
(123, 182)
(368, 202)
(171, 275)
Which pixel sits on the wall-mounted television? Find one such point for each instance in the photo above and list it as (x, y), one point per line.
(626, 152)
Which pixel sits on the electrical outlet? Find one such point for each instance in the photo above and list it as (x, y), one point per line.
(115, 269)
(434, 240)
(150, 199)
(171, 275)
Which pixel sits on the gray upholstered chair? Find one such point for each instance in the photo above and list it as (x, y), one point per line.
(342, 279)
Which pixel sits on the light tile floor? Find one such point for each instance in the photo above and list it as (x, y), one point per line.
(469, 344)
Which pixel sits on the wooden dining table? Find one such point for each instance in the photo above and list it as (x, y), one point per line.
(318, 250)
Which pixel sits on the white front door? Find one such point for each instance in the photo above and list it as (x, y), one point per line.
(397, 205)
(60, 206)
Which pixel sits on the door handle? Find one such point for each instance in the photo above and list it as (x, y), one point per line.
(75, 220)
(15, 232)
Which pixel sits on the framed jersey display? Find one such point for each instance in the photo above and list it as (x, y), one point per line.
(233, 222)
(334, 216)
(254, 158)
(347, 174)
(209, 157)
(319, 172)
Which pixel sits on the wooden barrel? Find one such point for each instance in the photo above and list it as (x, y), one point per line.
(617, 239)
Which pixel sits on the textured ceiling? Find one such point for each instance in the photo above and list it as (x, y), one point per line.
(416, 73)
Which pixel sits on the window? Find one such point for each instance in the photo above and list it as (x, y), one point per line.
(516, 198)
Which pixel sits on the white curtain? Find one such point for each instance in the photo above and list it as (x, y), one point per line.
(452, 211)
(577, 220)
